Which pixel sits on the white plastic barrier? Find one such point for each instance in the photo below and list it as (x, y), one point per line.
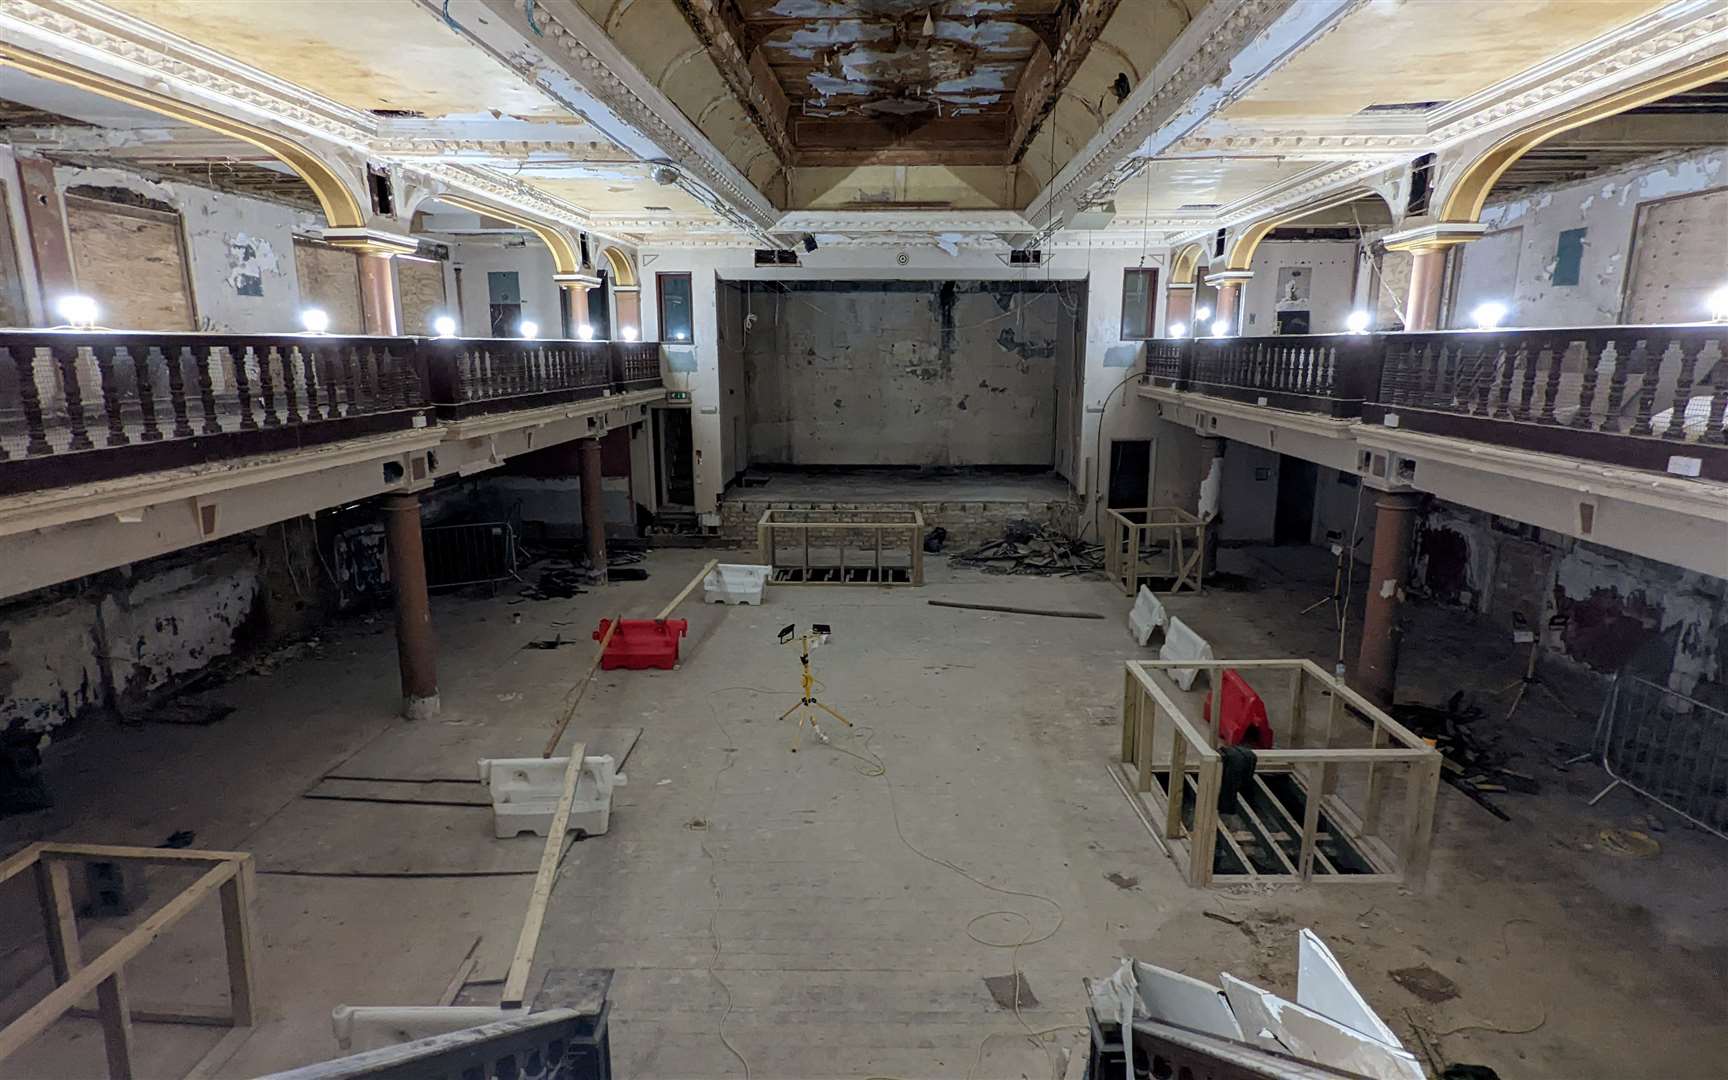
(360, 1028)
(525, 793)
(1182, 643)
(1145, 616)
(735, 583)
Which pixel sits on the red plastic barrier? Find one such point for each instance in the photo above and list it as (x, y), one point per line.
(1242, 721)
(642, 643)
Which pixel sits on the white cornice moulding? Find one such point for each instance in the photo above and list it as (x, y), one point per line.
(1437, 235)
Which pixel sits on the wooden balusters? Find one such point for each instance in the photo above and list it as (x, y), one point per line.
(143, 359)
(1527, 386)
(1676, 429)
(1555, 352)
(238, 357)
(292, 361)
(1713, 431)
(206, 390)
(116, 434)
(1582, 419)
(35, 429)
(309, 372)
(1648, 380)
(1623, 363)
(72, 391)
(267, 386)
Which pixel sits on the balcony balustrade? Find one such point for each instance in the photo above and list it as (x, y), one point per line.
(84, 406)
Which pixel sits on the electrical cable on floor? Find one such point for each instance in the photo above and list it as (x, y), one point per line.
(731, 750)
(1350, 572)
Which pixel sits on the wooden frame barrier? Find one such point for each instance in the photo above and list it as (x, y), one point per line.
(827, 531)
(228, 874)
(1176, 539)
(1173, 770)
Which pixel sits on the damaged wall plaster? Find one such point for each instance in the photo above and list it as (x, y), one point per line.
(1332, 284)
(1606, 207)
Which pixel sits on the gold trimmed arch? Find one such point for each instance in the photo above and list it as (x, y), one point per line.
(342, 208)
(1242, 251)
(623, 273)
(1186, 264)
(566, 256)
(1469, 193)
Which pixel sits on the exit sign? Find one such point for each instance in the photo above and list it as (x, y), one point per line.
(678, 395)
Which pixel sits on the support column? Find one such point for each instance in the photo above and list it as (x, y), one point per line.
(1229, 284)
(378, 302)
(1179, 307)
(1211, 499)
(45, 221)
(1394, 527)
(579, 310)
(416, 647)
(1427, 281)
(627, 300)
(593, 509)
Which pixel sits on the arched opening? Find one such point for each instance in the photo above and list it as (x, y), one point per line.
(1313, 266)
(501, 270)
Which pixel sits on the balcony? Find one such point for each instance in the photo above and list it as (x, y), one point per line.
(1642, 397)
(78, 407)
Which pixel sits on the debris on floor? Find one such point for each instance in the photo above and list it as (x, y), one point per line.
(1011, 991)
(1425, 983)
(1475, 765)
(1027, 547)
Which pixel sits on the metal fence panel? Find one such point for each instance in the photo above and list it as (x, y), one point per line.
(1669, 748)
(475, 554)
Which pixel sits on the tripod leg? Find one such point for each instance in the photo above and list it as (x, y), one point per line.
(798, 734)
(832, 713)
(789, 712)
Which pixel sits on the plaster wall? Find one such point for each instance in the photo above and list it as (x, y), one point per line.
(1606, 207)
(475, 257)
(901, 373)
(1249, 498)
(1106, 361)
(239, 250)
(1333, 266)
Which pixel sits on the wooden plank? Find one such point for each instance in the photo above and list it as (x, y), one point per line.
(219, 1055)
(116, 1024)
(38, 1017)
(1205, 835)
(54, 890)
(1129, 728)
(672, 605)
(150, 1013)
(581, 689)
(464, 972)
(1424, 787)
(148, 856)
(1178, 780)
(516, 982)
(239, 950)
(1310, 823)
(1138, 806)
(20, 861)
(1229, 841)
(1290, 823)
(1146, 716)
(1376, 786)
(1265, 832)
(1344, 755)
(1298, 705)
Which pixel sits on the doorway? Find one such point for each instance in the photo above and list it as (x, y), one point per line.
(1297, 482)
(676, 458)
(1130, 486)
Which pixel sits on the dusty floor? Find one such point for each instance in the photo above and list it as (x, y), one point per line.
(800, 909)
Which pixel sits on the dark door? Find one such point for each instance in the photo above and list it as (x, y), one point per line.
(1294, 523)
(504, 302)
(1130, 474)
(676, 459)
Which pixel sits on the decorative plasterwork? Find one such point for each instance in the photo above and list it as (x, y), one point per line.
(766, 109)
(879, 221)
(1433, 237)
(371, 241)
(1036, 100)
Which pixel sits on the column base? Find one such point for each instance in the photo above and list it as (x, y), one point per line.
(420, 708)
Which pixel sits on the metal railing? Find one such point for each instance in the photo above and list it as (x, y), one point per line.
(83, 406)
(1667, 747)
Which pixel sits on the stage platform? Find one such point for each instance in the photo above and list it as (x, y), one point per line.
(974, 505)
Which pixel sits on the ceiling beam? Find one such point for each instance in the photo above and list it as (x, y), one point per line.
(721, 29)
(1042, 85)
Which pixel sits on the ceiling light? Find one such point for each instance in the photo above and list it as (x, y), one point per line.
(1178, 329)
(78, 311)
(585, 332)
(444, 326)
(1488, 315)
(1358, 322)
(1719, 304)
(1220, 328)
(628, 333)
(528, 329)
(1203, 313)
(314, 320)
(680, 336)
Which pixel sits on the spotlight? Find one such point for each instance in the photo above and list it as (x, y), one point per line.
(1719, 304)
(664, 175)
(1202, 314)
(1357, 322)
(809, 242)
(585, 332)
(528, 329)
(1178, 329)
(78, 311)
(1220, 328)
(1488, 315)
(628, 333)
(314, 320)
(445, 326)
(679, 336)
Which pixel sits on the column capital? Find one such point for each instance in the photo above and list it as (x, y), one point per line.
(371, 241)
(616, 288)
(1228, 277)
(1436, 237)
(576, 282)
(1180, 286)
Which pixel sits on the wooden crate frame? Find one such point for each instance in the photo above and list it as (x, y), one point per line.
(229, 874)
(1153, 721)
(881, 522)
(1184, 547)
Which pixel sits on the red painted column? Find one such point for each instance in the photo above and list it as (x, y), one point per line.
(1179, 308)
(378, 304)
(1394, 528)
(1427, 281)
(416, 647)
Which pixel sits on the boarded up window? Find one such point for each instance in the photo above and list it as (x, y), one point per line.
(12, 308)
(1679, 257)
(420, 282)
(330, 280)
(133, 261)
